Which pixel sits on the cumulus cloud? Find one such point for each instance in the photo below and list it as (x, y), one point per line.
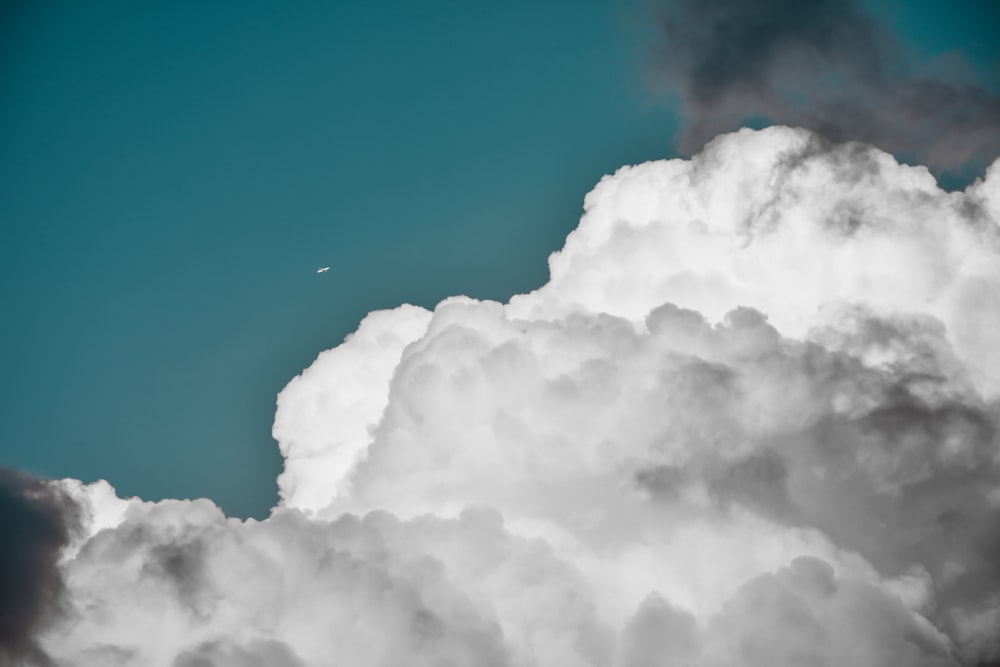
(827, 65)
(752, 419)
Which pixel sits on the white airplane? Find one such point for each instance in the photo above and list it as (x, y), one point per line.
(323, 269)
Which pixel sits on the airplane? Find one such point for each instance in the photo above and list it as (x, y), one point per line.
(323, 269)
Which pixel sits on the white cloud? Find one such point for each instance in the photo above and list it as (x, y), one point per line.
(326, 414)
(776, 220)
(751, 420)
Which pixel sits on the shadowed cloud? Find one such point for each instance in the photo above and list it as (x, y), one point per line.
(825, 65)
(36, 522)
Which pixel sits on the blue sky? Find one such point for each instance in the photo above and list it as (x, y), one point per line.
(172, 174)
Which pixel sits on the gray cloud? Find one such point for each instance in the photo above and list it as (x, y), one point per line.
(36, 522)
(906, 477)
(825, 65)
(268, 653)
(659, 635)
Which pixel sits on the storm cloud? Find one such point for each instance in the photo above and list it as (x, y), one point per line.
(828, 66)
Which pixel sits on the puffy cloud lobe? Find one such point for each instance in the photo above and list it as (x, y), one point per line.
(325, 415)
(752, 419)
(826, 65)
(784, 223)
(176, 583)
(804, 615)
(800, 615)
(710, 418)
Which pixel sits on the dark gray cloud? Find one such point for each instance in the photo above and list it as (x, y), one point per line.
(825, 65)
(36, 522)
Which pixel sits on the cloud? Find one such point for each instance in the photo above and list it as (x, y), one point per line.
(176, 583)
(659, 634)
(36, 521)
(804, 615)
(826, 65)
(325, 415)
(752, 419)
(222, 654)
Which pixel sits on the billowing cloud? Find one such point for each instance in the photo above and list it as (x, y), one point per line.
(827, 65)
(752, 419)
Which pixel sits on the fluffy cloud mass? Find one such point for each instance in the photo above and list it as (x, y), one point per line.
(752, 419)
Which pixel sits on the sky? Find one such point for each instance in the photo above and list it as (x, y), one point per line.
(172, 174)
(590, 414)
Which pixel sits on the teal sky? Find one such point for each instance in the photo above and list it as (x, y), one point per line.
(172, 174)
